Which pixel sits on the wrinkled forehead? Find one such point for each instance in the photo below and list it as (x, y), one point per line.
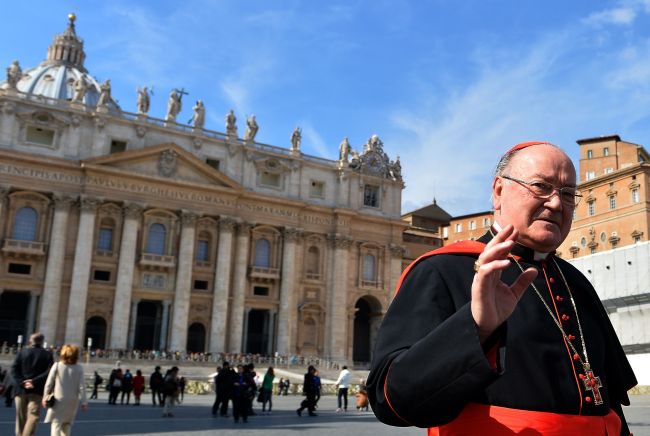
(544, 160)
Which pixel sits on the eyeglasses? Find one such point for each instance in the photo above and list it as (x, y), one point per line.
(568, 195)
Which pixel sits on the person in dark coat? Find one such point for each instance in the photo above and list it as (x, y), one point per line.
(309, 390)
(29, 372)
(243, 390)
(500, 335)
(97, 381)
(127, 386)
(155, 384)
(224, 385)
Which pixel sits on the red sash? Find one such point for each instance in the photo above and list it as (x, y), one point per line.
(481, 419)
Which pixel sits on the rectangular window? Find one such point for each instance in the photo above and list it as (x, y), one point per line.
(117, 146)
(590, 154)
(20, 268)
(40, 136)
(317, 189)
(590, 175)
(472, 225)
(102, 276)
(270, 179)
(486, 222)
(214, 163)
(371, 196)
(201, 285)
(606, 151)
(458, 227)
(635, 195)
(105, 241)
(203, 251)
(612, 202)
(592, 208)
(609, 170)
(261, 291)
(445, 232)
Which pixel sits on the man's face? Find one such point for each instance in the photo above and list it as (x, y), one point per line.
(542, 223)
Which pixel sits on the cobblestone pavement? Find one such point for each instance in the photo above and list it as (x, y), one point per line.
(193, 418)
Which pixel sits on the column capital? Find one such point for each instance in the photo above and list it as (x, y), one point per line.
(227, 224)
(166, 302)
(132, 210)
(396, 250)
(4, 190)
(89, 204)
(291, 234)
(339, 241)
(188, 217)
(245, 228)
(63, 201)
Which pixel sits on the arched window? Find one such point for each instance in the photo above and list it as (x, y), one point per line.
(313, 261)
(262, 253)
(157, 238)
(369, 274)
(25, 224)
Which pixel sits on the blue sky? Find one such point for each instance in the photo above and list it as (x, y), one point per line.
(448, 85)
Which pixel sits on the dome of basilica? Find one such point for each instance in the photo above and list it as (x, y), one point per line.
(62, 72)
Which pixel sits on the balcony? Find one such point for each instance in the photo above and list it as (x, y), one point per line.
(312, 276)
(23, 249)
(157, 262)
(263, 273)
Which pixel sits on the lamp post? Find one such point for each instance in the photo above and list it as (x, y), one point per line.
(20, 342)
(89, 344)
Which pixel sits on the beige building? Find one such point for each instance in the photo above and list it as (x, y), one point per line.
(144, 233)
(467, 227)
(614, 178)
(424, 232)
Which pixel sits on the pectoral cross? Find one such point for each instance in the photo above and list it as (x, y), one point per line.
(592, 383)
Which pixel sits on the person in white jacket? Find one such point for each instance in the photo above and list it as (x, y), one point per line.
(66, 381)
(343, 382)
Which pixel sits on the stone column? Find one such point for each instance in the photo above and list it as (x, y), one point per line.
(287, 312)
(31, 312)
(337, 298)
(134, 319)
(54, 269)
(183, 282)
(396, 256)
(74, 327)
(221, 286)
(239, 289)
(4, 190)
(124, 284)
(164, 325)
(7, 122)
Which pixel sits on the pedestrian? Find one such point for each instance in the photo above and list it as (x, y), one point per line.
(287, 384)
(155, 384)
(8, 388)
(170, 391)
(66, 382)
(500, 335)
(97, 381)
(115, 385)
(266, 391)
(29, 372)
(343, 383)
(309, 390)
(138, 387)
(223, 382)
(181, 387)
(243, 388)
(251, 376)
(127, 386)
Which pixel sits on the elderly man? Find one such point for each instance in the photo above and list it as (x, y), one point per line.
(29, 371)
(500, 336)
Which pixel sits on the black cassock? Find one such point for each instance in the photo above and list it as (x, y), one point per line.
(428, 347)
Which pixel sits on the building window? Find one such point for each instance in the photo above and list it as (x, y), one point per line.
(369, 273)
(612, 202)
(635, 195)
(270, 179)
(157, 239)
(25, 224)
(117, 146)
(486, 222)
(606, 151)
(371, 196)
(583, 242)
(105, 239)
(201, 285)
(20, 268)
(590, 154)
(445, 232)
(317, 189)
(203, 251)
(614, 244)
(101, 275)
(458, 227)
(263, 253)
(590, 175)
(636, 238)
(214, 163)
(592, 250)
(262, 291)
(312, 263)
(40, 136)
(472, 225)
(591, 207)
(603, 236)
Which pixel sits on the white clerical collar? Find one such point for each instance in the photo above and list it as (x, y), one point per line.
(538, 255)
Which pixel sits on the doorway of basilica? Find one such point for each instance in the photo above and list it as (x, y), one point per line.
(147, 325)
(14, 306)
(258, 327)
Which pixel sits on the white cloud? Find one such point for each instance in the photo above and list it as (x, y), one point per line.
(313, 142)
(623, 15)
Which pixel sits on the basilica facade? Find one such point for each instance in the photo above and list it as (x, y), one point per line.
(124, 231)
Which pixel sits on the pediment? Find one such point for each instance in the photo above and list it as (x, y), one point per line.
(165, 161)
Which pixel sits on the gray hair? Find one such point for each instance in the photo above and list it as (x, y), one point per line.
(506, 158)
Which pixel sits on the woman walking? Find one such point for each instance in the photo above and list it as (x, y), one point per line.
(66, 382)
(138, 386)
(267, 390)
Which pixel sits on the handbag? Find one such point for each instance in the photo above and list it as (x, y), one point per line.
(50, 401)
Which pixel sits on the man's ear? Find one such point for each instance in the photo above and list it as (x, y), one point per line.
(497, 187)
